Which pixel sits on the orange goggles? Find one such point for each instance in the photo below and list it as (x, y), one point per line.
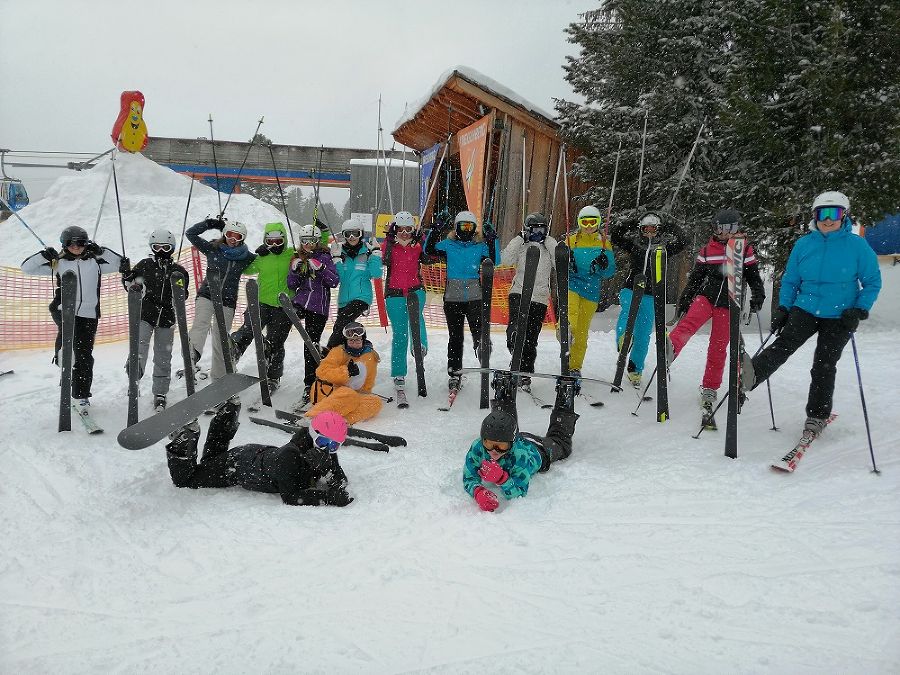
(589, 221)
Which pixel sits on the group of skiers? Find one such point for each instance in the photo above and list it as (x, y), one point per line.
(830, 284)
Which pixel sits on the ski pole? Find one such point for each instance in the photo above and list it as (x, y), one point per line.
(21, 220)
(641, 170)
(184, 224)
(612, 192)
(768, 384)
(103, 199)
(684, 170)
(862, 398)
(644, 394)
(118, 204)
(713, 413)
(243, 163)
(212, 142)
(281, 194)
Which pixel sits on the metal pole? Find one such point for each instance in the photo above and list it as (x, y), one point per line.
(9, 208)
(684, 170)
(184, 224)
(641, 170)
(212, 141)
(768, 384)
(862, 399)
(281, 193)
(243, 163)
(118, 206)
(103, 200)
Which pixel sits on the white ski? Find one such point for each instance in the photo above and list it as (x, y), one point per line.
(89, 424)
(789, 462)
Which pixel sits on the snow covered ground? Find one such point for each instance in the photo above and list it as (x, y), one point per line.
(646, 551)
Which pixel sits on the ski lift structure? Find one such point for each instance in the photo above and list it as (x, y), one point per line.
(12, 190)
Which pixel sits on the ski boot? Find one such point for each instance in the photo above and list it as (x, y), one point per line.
(307, 394)
(183, 442)
(576, 373)
(707, 403)
(525, 383)
(813, 428)
(273, 383)
(504, 387)
(454, 382)
(635, 379)
(400, 392)
(159, 402)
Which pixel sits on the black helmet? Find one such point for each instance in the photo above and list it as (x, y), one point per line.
(73, 233)
(499, 426)
(727, 221)
(535, 220)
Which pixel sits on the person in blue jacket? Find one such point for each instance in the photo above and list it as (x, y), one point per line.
(357, 263)
(831, 281)
(464, 248)
(508, 458)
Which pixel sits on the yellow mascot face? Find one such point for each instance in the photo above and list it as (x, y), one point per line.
(134, 130)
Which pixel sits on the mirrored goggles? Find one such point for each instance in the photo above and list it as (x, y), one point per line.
(162, 248)
(650, 221)
(274, 241)
(78, 242)
(589, 221)
(466, 226)
(327, 444)
(354, 332)
(352, 234)
(835, 213)
(233, 236)
(307, 241)
(729, 228)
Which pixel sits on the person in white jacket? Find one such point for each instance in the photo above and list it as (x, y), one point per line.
(89, 261)
(534, 234)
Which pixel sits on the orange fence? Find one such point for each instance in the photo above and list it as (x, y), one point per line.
(25, 321)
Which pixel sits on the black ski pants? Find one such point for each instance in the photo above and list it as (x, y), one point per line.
(349, 312)
(314, 324)
(217, 466)
(457, 313)
(533, 324)
(557, 443)
(82, 352)
(277, 326)
(801, 325)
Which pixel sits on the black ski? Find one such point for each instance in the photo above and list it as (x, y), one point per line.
(288, 308)
(548, 376)
(734, 262)
(484, 342)
(561, 255)
(7, 372)
(152, 429)
(214, 279)
(415, 338)
(256, 324)
(179, 295)
(387, 439)
(659, 321)
(292, 428)
(68, 290)
(532, 258)
(640, 285)
(135, 298)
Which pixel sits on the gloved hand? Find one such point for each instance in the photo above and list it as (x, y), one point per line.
(316, 264)
(124, 265)
(599, 263)
(486, 500)
(335, 249)
(216, 223)
(352, 368)
(322, 226)
(756, 305)
(852, 316)
(373, 247)
(93, 248)
(780, 319)
(50, 254)
(296, 265)
(262, 249)
(492, 472)
(337, 496)
(489, 234)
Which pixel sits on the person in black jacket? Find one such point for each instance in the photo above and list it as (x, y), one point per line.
(638, 245)
(157, 311)
(305, 471)
(705, 297)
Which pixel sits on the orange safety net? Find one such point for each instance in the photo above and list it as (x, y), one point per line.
(25, 321)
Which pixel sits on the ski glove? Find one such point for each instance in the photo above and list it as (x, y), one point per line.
(852, 316)
(489, 234)
(124, 265)
(262, 250)
(50, 254)
(337, 496)
(93, 248)
(756, 305)
(486, 500)
(780, 319)
(352, 368)
(374, 248)
(315, 264)
(492, 472)
(336, 250)
(599, 263)
(216, 223)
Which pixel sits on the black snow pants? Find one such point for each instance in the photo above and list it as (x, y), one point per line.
(277, 326)
(217, 466)
(801, 325)
(349, 312)
(314, 324)
(82, 352)
(536, 314)
(457, 314)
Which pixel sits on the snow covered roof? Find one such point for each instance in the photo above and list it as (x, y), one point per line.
(477, 88)
(393, 163)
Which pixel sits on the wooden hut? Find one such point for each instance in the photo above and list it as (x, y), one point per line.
(520, 159)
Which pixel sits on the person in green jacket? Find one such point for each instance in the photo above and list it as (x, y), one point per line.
(357, 263)
(273, 260)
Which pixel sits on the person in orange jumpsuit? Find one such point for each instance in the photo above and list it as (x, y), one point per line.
(345, 377)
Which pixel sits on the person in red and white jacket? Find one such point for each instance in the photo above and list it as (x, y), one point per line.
(705, 297)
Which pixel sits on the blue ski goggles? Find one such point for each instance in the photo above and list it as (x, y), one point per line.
(327, 444)
(835, 213)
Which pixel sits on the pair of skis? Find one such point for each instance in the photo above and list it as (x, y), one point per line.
(370, 439)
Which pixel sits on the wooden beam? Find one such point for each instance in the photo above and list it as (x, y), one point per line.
(514, 111)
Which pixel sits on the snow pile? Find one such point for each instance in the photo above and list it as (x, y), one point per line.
(151, 196)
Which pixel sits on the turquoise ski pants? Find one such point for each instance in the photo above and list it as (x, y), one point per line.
(643, 327)
(399, 320)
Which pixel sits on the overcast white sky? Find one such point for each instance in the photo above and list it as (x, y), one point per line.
(314, 69)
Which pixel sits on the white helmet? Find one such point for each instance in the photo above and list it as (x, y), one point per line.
(465, 217)
(832, 198)
(352, 225)
(404, 219)
(589, 211)
(307, 231)
(161, 236)
(236, 226)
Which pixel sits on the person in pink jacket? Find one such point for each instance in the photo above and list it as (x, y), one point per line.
(402, 255)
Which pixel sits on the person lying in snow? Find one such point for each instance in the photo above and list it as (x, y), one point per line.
(508, 458)
(304, 471)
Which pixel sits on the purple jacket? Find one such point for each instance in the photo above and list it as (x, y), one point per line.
(313, 287)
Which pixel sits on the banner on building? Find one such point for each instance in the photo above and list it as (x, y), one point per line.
(472, 144)
(429, 157)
